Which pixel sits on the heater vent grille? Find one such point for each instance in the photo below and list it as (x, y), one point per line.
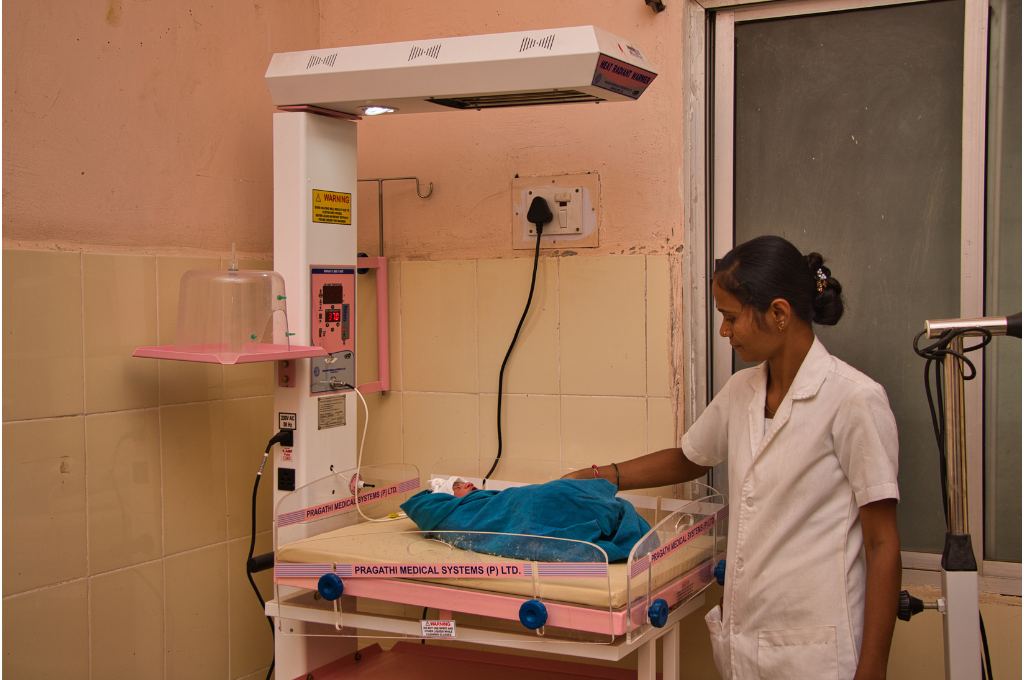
(317, 60)
(433, 51)
(546, 42)
(495, 101)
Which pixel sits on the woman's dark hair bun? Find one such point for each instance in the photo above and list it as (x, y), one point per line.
(828, 294)
(769, 267)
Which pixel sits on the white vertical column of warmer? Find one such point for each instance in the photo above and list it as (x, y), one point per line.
(312, 155)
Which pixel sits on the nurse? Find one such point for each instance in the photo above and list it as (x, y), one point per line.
(813, 558)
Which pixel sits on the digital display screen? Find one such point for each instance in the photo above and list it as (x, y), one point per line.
(332, 315)
(334, 294)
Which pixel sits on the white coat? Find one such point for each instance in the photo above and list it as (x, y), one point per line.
(793, 605)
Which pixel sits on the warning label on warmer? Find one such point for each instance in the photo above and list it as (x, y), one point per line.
(437, 628)
(332, 207)
(618, 76)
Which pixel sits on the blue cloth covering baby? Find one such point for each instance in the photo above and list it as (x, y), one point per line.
(580, 509)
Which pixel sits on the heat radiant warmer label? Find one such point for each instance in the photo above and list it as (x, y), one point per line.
(618, 76)
(332, 207)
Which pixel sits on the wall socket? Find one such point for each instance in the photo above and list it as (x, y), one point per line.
(573, 201)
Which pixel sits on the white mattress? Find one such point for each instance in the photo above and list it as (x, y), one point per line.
(400, 542)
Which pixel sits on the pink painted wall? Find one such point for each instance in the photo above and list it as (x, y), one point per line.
(146, 127)
(471, 157)
(143, 125)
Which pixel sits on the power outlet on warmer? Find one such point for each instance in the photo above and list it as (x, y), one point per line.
(573, 201)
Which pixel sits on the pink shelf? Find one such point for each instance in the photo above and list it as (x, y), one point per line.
(212, 354)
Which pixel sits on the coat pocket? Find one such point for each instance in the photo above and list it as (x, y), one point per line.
(797, 653)
(719, 641)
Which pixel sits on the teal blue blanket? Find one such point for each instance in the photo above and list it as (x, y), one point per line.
(580, 509)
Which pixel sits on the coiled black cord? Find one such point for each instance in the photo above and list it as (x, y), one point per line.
(934, 355)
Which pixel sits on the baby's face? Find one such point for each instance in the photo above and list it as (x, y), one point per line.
(460, 489)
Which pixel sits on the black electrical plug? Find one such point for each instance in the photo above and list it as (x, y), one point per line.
(283, 437)
(539, 213)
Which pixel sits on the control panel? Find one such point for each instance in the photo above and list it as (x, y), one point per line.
(332, 326)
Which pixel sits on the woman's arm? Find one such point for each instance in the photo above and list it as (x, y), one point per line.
(668, 466)
(884, 572)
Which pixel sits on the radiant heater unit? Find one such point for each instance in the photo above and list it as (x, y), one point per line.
(321, 94)
(525, 68)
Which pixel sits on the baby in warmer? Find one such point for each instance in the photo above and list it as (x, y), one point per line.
(579, 509)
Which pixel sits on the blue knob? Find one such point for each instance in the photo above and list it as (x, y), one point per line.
(658, 613)
(533, 614)
(720, 572)
(330, 587)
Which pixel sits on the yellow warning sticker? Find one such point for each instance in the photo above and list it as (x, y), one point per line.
(332, 207)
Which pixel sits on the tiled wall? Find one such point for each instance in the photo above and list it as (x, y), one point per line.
(589, 381)
(127, 481)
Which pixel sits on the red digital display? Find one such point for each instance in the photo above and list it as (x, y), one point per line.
(332, 315)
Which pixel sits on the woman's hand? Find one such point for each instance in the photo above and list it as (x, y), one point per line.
(584, 473)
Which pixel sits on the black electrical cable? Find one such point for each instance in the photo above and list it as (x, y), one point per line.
(283, 436)
(935, 354)
(984, 646)
(538, 215)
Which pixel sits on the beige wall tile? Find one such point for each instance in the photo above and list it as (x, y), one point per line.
(46, 633)
(44, 503)
(249, 380)
(661, 424)
(659, 327)
(123, 453)
(43, 348)
(529, 471)
(661, 435)
(251, 643)
(126, 621)
(441, 429)
(196, 642)
(503, 287)
(250, 263)
(599, 430)
(248, 426)
(182, 381)
(439, 326)
(530, 430)
(120, 315)
(195, 503)
(384, 438)
(602, 329)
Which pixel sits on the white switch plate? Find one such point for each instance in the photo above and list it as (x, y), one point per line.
(566, 205)
(573, 200)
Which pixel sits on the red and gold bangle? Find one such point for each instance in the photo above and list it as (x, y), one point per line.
(597, 472)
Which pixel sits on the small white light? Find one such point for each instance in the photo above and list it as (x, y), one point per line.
(376, 110)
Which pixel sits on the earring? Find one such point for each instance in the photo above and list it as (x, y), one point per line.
(782, 326)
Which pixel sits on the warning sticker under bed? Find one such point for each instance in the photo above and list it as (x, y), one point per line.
(437, 628)
(330, 412)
